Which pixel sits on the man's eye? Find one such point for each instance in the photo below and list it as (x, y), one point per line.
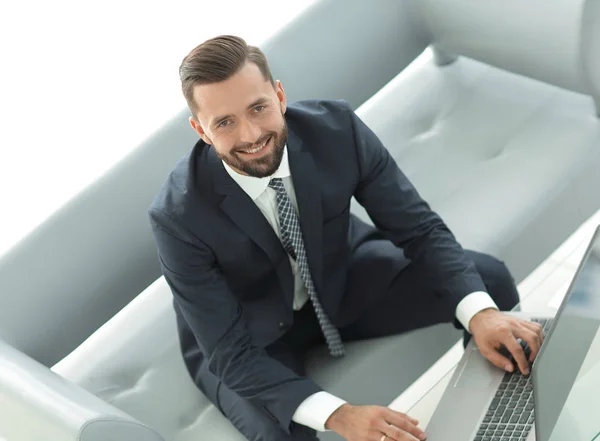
(223, 123)
(259, 108)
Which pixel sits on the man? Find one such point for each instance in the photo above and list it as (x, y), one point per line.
(264, 259)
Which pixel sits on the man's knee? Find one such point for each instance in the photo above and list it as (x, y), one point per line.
(498, 280)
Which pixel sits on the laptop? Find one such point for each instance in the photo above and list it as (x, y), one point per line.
(484, 403)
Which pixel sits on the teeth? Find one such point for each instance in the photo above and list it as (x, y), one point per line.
(257, 149)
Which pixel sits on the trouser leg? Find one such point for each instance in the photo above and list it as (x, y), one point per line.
(409, 304)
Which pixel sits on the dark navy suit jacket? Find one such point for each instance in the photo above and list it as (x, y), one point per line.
(231, 278)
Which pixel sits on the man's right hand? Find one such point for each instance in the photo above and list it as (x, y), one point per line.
(371, 423)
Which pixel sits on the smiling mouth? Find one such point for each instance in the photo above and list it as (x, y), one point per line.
(257, 149)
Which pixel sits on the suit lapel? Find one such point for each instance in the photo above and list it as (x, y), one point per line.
(242, 210)
(248, 217)
(308, 196)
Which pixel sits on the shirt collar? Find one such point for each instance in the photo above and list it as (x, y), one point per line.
(253, 186)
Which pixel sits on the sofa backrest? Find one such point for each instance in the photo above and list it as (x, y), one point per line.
(345, 50)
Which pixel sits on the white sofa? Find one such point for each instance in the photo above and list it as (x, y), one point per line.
(496, 125)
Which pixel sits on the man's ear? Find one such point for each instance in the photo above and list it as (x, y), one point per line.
(281, 96)
(199, 130)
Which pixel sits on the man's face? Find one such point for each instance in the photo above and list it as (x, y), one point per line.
(242, 118)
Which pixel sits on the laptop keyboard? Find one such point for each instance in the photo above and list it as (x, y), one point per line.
(510, 414)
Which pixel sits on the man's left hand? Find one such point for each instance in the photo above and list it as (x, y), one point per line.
(492, 329)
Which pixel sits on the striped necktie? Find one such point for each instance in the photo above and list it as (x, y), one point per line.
(293, 242)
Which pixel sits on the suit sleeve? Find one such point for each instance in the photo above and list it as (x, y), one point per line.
(399, 212)
(216, 320)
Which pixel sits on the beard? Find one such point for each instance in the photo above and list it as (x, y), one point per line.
(265, 165)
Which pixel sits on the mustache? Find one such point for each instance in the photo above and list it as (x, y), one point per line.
(247, 145)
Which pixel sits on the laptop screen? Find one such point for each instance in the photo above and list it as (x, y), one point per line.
(566, 373)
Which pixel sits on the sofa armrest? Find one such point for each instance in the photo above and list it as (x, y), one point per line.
(36, 403)
(557, 45)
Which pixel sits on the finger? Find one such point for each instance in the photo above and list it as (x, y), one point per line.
(401, 426)
(517, 352)
(376, 435)
(388, 411)
(397, 434)
(405, 416)
(402, 422)
(497, 359)
(535, 327)
(531, 338)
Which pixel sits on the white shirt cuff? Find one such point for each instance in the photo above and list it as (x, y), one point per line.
(471, 305)
(316, 410)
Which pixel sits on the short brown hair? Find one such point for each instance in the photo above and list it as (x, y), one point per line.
(216, 60)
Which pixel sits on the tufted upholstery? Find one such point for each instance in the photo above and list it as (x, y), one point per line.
(508, 161)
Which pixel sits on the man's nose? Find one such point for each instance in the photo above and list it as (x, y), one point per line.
(249, 132)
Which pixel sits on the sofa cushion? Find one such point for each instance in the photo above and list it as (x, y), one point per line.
(134, 363)
(507, 161)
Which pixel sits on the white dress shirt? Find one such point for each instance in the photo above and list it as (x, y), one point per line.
(316, 409)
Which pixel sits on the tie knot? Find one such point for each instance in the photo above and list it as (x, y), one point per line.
(276, 184)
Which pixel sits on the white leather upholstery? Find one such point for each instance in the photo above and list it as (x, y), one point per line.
(313, 55)
(36, 404)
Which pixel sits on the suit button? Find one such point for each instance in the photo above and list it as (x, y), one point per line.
(282, 326)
